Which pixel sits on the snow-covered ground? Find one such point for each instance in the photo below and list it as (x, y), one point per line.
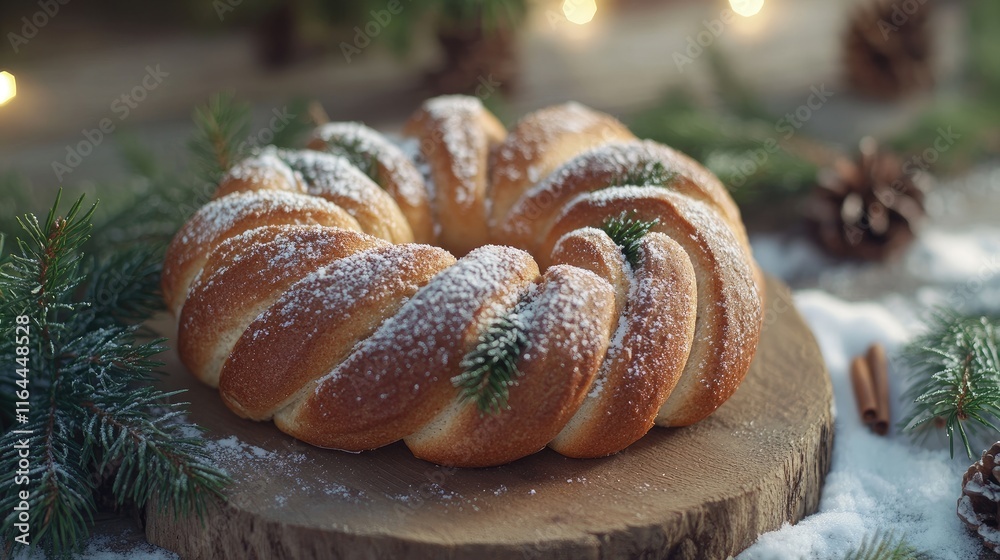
(894, 483)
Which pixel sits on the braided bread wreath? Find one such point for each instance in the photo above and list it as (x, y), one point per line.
(319, 287)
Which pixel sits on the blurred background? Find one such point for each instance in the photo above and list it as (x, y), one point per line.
(829, 120)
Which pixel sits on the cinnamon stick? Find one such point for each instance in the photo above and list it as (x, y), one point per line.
(878, 364)
(864, 390)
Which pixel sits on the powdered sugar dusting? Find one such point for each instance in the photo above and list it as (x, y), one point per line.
(335, 288)
(222, 214)
(357, 136)
(534, 131)
(594, 169)
(263, 165)
(452, 115)
(451, 299)
(328, 174)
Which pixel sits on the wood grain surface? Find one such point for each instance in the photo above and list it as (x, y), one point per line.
(704, 491)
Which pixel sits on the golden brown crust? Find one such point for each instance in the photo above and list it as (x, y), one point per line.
(591, 249)
(611, 165)
(390, 169)
(313, 325)
(568, 325)
(337, 180)
(729, 306)
(652, 341)
(244, 277)
(400, 378)
(457, 135)
(261, 172)
(232, 215)
(540, 143)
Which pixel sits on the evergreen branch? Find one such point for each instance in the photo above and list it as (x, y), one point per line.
(88, 375)
(955, 377)
(61, 503)
(222, 125)
(355, 153)
(124, 287)
(43, 275)
(150, 209)
(138, 159)
(627, 232)
(490, 368)
(886, 546)
(152, 457)
(652, 175)
(291, 135)
(750, 157)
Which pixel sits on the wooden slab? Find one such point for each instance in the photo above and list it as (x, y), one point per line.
(704, 491)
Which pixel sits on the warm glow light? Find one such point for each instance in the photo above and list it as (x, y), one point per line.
(579, 11)
(8, 87)
(746, 8)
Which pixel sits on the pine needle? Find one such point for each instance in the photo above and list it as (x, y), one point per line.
(653, 175)
(358, 156)
(491, 367)
(886, 546)
(290, 134)
(627, 232)
(223, 125)
(955, 374)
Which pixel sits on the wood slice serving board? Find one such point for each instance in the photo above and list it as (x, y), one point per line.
(704, 491)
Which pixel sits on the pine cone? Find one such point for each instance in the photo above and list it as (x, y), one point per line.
(981, 497)
(887, 49)
(866, 209)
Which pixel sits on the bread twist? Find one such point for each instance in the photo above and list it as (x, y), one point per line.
(300, 294)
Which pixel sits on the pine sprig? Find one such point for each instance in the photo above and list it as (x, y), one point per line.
(490, 369)
(92, 409)
(955, 377)
(222, 126)
(358, 156)
(627, 232)
(653, 175)
(124, 287)
(886, 546)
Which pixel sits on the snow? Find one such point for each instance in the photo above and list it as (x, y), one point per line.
(878, 483)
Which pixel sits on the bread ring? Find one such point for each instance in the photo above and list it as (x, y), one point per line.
(299, 293)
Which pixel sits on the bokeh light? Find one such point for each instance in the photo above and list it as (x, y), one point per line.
(746, 8)
(8, 87)
(579, 11)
